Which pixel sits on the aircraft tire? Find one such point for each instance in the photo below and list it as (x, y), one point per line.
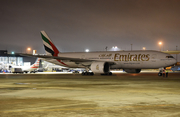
(87, 73)
(83, 74)
(107, 74)
(159, 74)
(91, 73)
(110, 73)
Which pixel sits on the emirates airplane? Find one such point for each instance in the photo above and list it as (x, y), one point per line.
(102, 62)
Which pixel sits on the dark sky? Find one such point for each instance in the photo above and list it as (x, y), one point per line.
(75, 25)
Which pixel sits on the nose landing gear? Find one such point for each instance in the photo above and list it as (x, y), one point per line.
(161, 71)
(159, 74)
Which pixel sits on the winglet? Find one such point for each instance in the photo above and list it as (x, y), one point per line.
(50, 48)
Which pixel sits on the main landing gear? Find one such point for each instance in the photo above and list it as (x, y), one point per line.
(87, 73)
(108, 74)
(91, 73)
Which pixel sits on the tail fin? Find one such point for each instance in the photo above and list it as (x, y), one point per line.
(36, 64)
(50, 48)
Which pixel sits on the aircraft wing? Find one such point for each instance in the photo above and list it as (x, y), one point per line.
(171, 52)
(59, 58)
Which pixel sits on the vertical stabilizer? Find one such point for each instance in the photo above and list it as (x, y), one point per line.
(36, 64)
(49, 47)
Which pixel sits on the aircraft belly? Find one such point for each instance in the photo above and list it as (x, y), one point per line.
(136, 65)
(129, 64)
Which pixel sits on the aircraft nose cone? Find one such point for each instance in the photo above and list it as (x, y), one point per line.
(171, 62)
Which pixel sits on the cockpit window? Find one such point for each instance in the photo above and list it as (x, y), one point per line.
(169, 57)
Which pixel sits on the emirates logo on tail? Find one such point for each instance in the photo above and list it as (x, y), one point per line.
(50, 48)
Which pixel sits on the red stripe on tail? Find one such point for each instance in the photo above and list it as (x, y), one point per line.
(56, 52)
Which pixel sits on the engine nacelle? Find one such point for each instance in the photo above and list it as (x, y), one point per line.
(100, 67)
(132, 70)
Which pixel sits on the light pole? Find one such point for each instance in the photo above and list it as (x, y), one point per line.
(106, 48)
(131, 47)
(160, 43)
(176, 54)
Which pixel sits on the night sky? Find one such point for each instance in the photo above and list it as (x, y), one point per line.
(75, 25)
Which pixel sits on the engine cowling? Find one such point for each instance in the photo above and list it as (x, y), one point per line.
(132, 70)
(100, 67)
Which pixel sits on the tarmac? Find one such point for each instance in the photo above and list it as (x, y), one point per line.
(74, 95)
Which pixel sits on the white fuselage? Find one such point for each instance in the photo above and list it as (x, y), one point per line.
(146, 59)
(25, 68)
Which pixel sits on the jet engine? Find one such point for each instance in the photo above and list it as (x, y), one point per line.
(132, 70)
(100, 67)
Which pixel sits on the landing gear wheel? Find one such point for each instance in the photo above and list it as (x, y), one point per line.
(91, 73)
(159, 74)
(87, 73)
(107, 74)
(110, 73)
(82, 74)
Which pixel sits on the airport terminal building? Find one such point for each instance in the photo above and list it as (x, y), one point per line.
(15, 59)
(8, 60)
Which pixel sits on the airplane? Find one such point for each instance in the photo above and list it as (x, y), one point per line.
(26, 69)
(102, 62)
